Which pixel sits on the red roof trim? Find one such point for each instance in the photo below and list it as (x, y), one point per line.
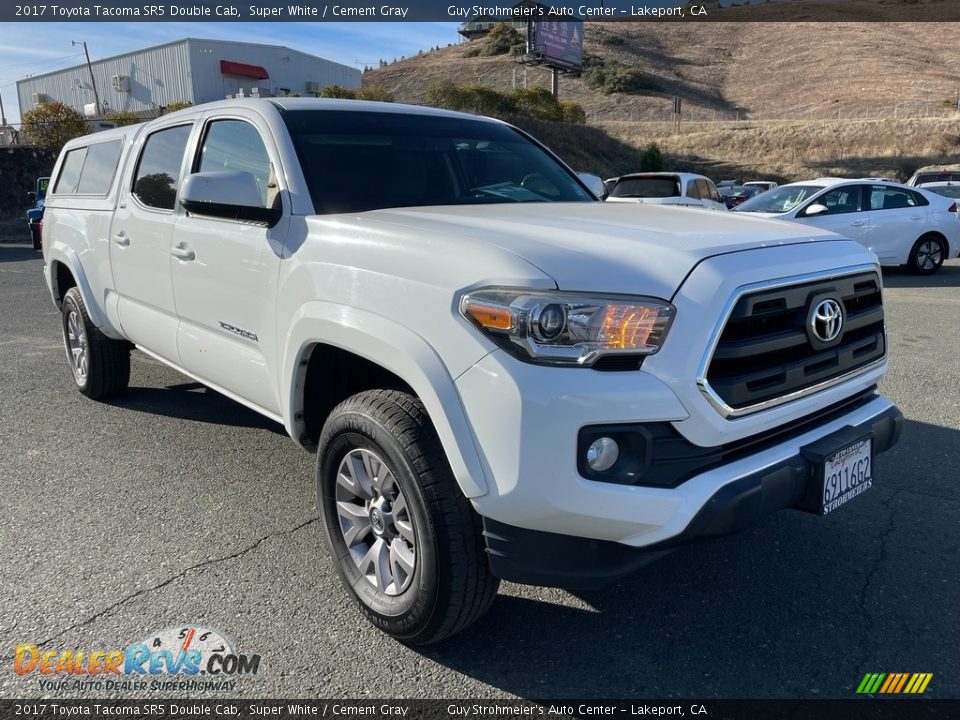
(228, 67)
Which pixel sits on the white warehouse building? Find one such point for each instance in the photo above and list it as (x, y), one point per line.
(189, 70)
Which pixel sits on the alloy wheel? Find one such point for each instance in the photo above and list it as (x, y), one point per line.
(77, 346)
(929, 255)
(375, 521)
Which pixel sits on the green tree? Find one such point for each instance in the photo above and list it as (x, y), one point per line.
(53, 125)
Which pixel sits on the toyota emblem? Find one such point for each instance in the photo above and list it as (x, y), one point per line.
(826, 320)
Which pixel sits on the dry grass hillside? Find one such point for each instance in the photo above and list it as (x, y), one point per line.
(795, 149)
(789, 100)
(764, 70)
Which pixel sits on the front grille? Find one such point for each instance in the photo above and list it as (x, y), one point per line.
(766, 350)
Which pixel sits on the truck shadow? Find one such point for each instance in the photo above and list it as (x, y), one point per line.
(790, 608)
(193, 401)
(947, 276)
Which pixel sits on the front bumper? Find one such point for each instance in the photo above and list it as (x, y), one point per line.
(549, 559)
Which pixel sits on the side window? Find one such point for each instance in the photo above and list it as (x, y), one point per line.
(237, 145)
(70, 172)
(714, 193)
(695, 189)
(890, 198)
(158, 170)
(842, 200)
(918, 199)
(99, 168)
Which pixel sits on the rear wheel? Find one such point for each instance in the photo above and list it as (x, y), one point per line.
(927, 255)
(406, 542)
(35, 236)
(100, 365)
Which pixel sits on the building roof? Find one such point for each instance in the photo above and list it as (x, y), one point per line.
(82, 66)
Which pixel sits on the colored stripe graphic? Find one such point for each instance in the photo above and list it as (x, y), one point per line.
(894, 683)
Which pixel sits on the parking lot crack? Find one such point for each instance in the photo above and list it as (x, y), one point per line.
(173, 578)
(868, 581)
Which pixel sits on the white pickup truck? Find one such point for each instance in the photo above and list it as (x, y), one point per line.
(501, 376)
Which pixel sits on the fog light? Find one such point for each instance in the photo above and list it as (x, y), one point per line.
(602, 454)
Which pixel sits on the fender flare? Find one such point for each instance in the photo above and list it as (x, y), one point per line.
(62, 253)
(397, 349)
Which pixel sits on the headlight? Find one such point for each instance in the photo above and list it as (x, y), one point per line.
(568, 328)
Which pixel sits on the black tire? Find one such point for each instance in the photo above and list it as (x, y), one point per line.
(451, 585)
(107, 367)
(922, 261)
(35, 237)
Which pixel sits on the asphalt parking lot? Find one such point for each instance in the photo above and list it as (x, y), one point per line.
(174, 505)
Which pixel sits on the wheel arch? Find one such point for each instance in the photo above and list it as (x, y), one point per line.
(66, 271)
(325, 339)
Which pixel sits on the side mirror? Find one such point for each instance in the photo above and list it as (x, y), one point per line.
(231, 194)
(815, 209)
(32, 197)
(595, 184)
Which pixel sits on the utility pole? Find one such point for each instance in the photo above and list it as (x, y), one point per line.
(93, 82)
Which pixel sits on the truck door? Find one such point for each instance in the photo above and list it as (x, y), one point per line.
(140, 241)
(225, 272)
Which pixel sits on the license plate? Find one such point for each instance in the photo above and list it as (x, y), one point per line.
(846, 473)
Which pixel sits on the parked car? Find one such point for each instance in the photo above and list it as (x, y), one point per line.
(764, 185)
(728, 183)
(500, 375)
(935, 173)
(734, 195)
(902, 225)
(948, 188)
(665, 188)
(35, 213)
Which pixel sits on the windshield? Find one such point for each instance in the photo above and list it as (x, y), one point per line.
(938, 176)
(646, 187)
(358, 161)
(950, 191)
(780, 200)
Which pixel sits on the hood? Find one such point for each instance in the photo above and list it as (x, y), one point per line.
(618, 248)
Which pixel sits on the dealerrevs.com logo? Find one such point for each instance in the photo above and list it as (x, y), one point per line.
(191, 658)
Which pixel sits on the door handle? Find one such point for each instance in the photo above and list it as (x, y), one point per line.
(121, 239)
(858, 223)
(916, 217)
(182, 253)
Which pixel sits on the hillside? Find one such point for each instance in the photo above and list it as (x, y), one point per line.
(764, 70)
(786, 100)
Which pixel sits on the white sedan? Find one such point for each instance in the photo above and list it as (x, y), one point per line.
(666, 188)
(902, 225)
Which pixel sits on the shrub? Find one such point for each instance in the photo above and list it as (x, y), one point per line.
(123, 117)
(177, 105)
(573, 113)
(499, 41)
(652, 160)
(529, 102)
(612, 76)
(537, 102)
(53, 125)
(336, 91)
(373, 92)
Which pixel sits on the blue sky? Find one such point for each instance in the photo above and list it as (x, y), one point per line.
(34, 48)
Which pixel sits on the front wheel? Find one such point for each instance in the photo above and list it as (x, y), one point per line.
(35, 236)
(927, 255)
(406, 542)
(100, 365)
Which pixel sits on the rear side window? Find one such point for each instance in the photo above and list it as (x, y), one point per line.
(891, 198)
(99, 167)
(158, 170)
(70, 172)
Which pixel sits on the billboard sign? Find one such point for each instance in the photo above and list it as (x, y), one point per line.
(559, 43)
